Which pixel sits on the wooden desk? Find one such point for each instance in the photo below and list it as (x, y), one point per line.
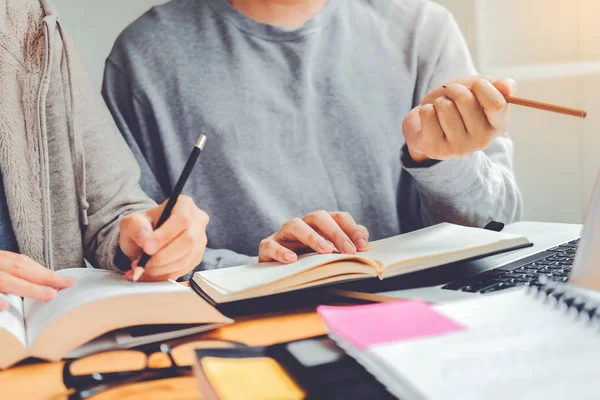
(44, 381)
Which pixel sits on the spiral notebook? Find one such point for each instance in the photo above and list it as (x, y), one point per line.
(536, 343)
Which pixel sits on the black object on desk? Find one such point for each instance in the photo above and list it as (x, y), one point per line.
(324, 371)
(299, 299)
(317, 365)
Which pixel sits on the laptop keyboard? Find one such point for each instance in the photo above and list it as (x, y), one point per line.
(555, 264)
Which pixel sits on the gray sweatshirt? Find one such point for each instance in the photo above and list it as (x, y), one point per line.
(299, 120)
(68, 174)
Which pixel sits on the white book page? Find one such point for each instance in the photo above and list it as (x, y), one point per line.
(538, 362)
(237, 279)
(11, 320)
(435, 240)
(91, 285)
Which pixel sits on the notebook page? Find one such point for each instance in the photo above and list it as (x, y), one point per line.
(91, 285)
(11, 320)
(237, 279)
(435, 240)
(516, 307)
(426, 242)
(539, 363)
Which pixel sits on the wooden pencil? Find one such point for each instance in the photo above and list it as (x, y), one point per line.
(518, 101)
(545, 106)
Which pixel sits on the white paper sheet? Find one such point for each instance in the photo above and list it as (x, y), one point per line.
(556, 362)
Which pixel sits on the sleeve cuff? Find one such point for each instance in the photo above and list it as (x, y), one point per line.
(452, 178)
(408, 162)
(116, 260)
(122, 262)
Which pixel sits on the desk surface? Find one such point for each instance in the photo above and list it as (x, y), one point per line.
(44, 381)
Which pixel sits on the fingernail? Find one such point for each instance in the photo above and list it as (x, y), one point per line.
(325, 246)
(151, 246)
(289, 257)
(362, 243)
(348, 247)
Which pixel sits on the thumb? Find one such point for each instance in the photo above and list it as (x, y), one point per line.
(411, 126)
(506, 86)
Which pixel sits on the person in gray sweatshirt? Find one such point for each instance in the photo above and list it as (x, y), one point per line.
(369, 109)
(69, 185)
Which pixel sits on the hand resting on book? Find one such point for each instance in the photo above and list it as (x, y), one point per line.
(21, 276)
(321, 231)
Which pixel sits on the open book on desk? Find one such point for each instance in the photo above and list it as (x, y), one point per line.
(426, 248)
(79, 320)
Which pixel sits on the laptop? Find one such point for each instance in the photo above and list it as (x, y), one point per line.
(561, 253)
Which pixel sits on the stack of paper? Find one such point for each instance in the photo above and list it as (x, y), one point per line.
(505, 346)
(362, 330)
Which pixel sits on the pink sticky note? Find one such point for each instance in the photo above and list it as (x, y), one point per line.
(364, 326)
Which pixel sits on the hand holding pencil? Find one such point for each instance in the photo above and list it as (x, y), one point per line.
(464, 116)
(167, 241)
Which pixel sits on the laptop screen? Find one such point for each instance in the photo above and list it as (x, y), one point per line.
(586, 269)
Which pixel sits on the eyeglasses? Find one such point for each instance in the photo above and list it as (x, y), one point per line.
(99, 372)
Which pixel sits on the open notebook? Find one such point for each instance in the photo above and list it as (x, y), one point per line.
(430, 247)
(100, 302)
(534, 343)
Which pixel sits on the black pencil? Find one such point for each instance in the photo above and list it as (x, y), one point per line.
(185, 174)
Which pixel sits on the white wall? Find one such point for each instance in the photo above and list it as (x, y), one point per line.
(552, 49)
(95, 24)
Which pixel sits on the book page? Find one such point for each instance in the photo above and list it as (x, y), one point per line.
(435, 240)
(237, 279)
(91, 285)
(11, 320)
